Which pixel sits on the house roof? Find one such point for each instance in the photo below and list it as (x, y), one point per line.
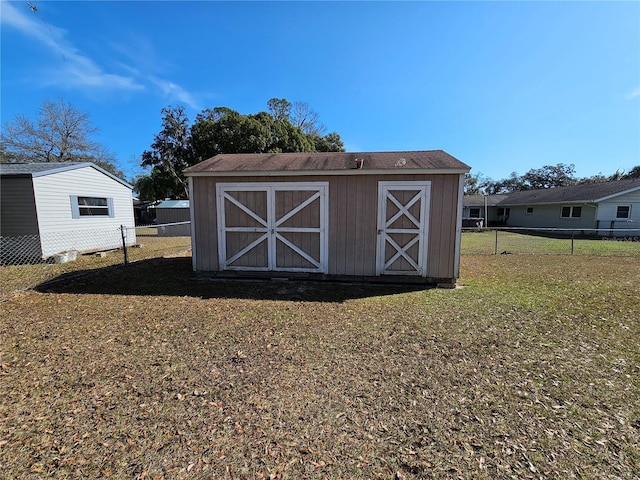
(478, 200)
(41, 169)
(173, 204)
(328, 163)
(585, 193)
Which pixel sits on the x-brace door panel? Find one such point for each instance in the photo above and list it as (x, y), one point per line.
(273, 226)
(403, 220)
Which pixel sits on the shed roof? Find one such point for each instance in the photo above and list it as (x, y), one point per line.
(329, 163)
(40, 169)
(173, 204)
(585, 193)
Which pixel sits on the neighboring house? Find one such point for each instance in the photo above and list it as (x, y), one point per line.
(478, 211)
(63, 207)
(173, 211)
(384, 216)
(596, 208)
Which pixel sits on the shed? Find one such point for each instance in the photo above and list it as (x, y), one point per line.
(172, 217)
(376, 216)
(49, 208)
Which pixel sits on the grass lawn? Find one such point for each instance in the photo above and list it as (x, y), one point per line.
(484, 242)
(530, 371)
(19, 277)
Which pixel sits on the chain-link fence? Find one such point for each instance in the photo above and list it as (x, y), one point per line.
(30, 260)
(550, 241)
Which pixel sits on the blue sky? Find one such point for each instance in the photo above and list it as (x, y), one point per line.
(503, 86)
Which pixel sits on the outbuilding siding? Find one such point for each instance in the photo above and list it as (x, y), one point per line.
(352, 224)
(18, 207)
(41, 199)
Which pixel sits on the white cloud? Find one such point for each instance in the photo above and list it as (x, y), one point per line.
(172, 90)
(72, 68)
(136, 62)
(634, 94)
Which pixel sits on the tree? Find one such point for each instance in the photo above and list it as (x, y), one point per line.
(158, 184)
(633, 173)
(279, 108)
(306, 119)
(299, 114)
(61, 133)
(329, 143)
(223, 130)
(171, 150)
(507, 185)
(549, 176)
(474, 184)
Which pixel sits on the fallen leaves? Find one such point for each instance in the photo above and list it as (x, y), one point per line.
(246, 381)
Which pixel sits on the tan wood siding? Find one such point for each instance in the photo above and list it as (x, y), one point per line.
(353, 203)
(206, 234)
(442, 231)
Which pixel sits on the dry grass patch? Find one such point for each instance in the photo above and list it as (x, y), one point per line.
(531, 371)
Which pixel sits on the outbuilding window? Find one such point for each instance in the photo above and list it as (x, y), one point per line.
(571, 212)
(623, 212)
(474, 212)
(82, 207)
(529, 211)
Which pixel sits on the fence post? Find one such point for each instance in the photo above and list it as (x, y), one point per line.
(123, 234)
(573, 234)
(495, 251)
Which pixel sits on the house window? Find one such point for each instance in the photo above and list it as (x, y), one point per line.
(529, 211)
(474, 212)
(503, 212)
(623, 212)
(82, 207)
(571, 212)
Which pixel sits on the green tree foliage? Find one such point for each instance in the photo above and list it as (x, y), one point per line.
(633, 173)
(286, 127)
(549, 176)
(507, 185)
(223, 130)
(329, 143)
(60, 133)
(473, 184)
(157, 185)
(171, 150)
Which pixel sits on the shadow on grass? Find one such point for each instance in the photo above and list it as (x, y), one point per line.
(174, 277)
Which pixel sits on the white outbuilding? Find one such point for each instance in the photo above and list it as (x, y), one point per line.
(62, 207)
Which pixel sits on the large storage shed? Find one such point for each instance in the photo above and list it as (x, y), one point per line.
(50, 208)
(383, 216)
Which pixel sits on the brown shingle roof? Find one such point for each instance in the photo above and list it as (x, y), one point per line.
(324, 162)
(585, 193)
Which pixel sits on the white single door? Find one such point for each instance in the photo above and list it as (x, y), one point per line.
(403, 221)
(273, 226)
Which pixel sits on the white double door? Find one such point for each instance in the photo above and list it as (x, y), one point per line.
(278, 226)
